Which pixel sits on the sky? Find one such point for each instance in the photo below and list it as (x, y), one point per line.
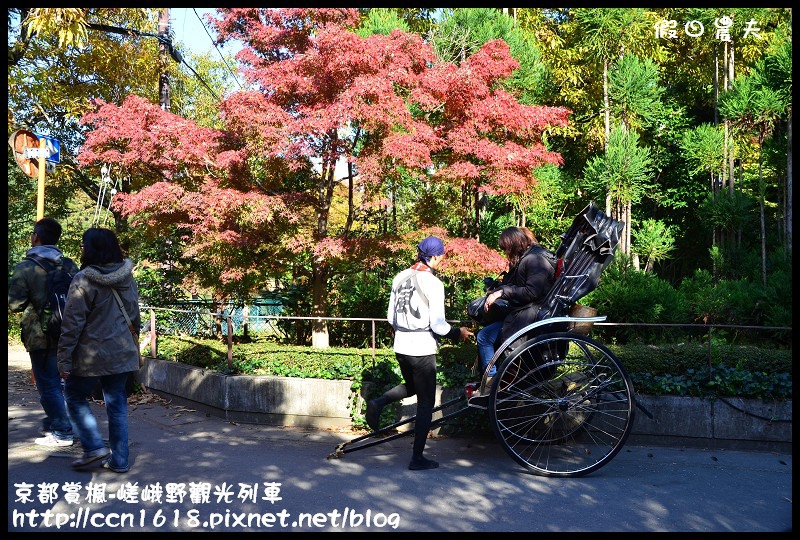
(190, 31)
(190, 34)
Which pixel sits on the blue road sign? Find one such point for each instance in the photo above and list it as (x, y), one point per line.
(53, 148)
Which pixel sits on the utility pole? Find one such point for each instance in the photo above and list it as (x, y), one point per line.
(165, 51)
(163, 57)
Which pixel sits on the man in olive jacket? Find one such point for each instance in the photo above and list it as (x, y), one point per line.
(26, 293)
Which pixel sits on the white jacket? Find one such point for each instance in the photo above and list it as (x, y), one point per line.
(417, 323)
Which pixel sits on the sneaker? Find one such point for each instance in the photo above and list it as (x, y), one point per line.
(478, 398)
(422, 464)
(107, 465)
(373, 415)
(53, 441)
(90, 457)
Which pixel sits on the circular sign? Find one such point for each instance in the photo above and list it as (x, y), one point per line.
(20, 141)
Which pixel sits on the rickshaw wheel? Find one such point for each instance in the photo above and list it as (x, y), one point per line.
(562, 404)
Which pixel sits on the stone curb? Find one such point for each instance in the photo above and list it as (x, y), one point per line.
(733, 423)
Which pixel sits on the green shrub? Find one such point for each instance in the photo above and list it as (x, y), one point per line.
(683, 369)
(672, 369)
(720, 381)
(636, 297)
(678, 358)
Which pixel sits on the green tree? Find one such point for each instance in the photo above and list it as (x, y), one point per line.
(381, 21)
(778, 75)
(624, 171)
(609, 32)
(461, 33)
(579, 47)
(416, 20)
(704, 150)
(703, 147)
(653, 241)
(58, 65)
(755, 107)
(636, 97)
(635, 92)
(68, 58)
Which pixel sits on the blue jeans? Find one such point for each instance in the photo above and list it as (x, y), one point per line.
(77, 390)
(487, 336)
(44, 365)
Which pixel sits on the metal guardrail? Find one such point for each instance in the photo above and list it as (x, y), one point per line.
(241, 320)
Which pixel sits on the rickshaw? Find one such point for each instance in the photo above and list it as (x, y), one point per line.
(561, 403)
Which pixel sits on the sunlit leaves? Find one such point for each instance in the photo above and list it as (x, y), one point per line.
(324, 95)
(68, 23)
(704, 148)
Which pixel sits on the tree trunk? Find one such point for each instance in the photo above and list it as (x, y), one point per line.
(218, 311)
(714, 229)
(466, 209)
(394, 208)
(732, 235)
(761, 208)
(319, 294)
(478, 211)
(350, 203)
(728, 84)
(628, 223)
(716, 85)
(319, 328)
(789, 186)
(607, 113)
(741, 180)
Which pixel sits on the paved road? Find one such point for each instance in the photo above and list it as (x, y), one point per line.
(478, 488)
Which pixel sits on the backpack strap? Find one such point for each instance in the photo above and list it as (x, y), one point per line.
(125, 313)
(47, 266)
(44, 264)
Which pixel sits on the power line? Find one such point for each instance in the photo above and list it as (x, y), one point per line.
(214, 43)
(173, 52)
(202, 81)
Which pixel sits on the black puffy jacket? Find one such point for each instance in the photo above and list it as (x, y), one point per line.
(525, 288)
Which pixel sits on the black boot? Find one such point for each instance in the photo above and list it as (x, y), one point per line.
(373, 415)
(420, 463)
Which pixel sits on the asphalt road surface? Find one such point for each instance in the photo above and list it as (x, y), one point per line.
(193, 472)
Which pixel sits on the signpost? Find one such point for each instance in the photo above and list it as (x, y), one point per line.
(52, 148)
(29, 148)
(21, 141)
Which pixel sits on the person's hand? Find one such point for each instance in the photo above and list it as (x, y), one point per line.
(466, 333)
(491, 299)
(64, 374)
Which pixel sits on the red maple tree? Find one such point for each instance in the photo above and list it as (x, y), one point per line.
(256, 198)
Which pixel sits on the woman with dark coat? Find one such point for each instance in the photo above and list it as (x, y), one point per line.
(96, 344)
(530, 276)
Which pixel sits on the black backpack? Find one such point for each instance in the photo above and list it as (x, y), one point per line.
(58, 281)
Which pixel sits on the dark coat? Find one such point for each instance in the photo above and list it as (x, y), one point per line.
(95, 338)
(27, 290)
(524, 288)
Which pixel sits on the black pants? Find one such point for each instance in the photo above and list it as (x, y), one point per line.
(419, 374)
